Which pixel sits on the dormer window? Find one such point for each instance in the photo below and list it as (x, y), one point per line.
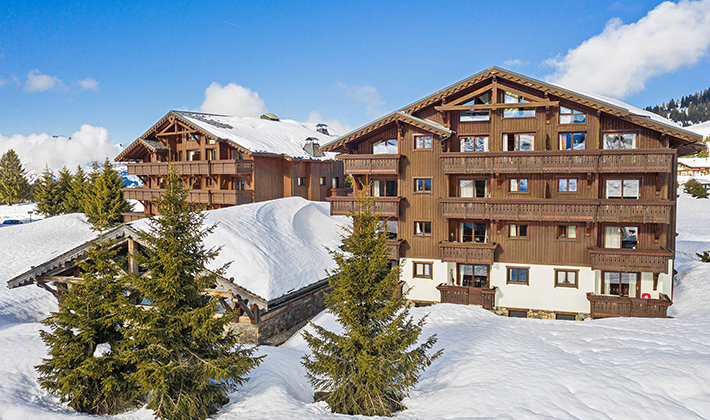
(572, 116)
(512, 98)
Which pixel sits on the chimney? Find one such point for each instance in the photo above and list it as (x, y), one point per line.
(322, 128)
(312, 147)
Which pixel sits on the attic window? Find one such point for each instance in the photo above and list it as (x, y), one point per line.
(479, 114)
(572, 116)
(512, 98)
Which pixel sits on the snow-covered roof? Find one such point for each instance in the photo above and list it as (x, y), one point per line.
(695, 162)
(703, 129)
(284, 137)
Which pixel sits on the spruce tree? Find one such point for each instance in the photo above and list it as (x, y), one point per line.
(695, 188)
(370, 367)
(105, 203)
(64, 187)
(88, 364)
(187, 360)
(77, 196)
(14, 186)
(46, 194)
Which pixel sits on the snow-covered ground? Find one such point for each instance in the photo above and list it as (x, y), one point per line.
(25, 213)
(492, 367)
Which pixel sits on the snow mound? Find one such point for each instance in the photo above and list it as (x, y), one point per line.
(703, 129)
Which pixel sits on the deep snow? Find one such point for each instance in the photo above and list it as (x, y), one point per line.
(492, 367)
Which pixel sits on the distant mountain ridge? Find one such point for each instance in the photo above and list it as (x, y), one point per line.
(689, 110)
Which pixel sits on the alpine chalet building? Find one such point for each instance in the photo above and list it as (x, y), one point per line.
(227, 160)
(524, 197)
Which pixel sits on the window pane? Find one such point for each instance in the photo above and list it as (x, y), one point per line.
(465, 274)
(631, 188)
(522, 275)
(480, 270)
(523, 230)
(613, 188)
(379, 148)
(612, 237)
(523, 185)
(628, 141)
(564, 110)
(467, 144)
(514, 185)
(572, 232)
(427, 269)
(563, 185)
(572, 277)
(526, 141)
(466, 232)
(513, 230)
(391, 187)
(629, 237)
(513, 274)
(466, 188)
(480, 185)
(572, 184)
(481, 144)
(565, 141)
(579, 141)
(511, 98)
(561, 277)
(562, 232)
(611, 141)
(378, 188)
(479, 233)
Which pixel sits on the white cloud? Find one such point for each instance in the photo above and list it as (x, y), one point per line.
(516, 62)
(366, 94)
(232, 99)
(89, 84)
(38, 82)
(621, 59)
(37, 150)
(335, 127)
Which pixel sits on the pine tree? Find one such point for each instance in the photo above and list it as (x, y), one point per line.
(105, 204)
(46, 196)
(77, 196)
(64, 187)
(369, 369)
(187, 359)
(91, 316)
(695, 189)
(14, 186)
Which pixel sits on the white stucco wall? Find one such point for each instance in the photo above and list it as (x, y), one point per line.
(425, 289)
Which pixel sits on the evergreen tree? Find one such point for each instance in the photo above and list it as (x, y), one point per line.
(187, 360)
(64, 187)
(695, 189)
(13, 179)
(105, 203)
(46, 194)
(88, 365)
(369, 369)
(77, 196)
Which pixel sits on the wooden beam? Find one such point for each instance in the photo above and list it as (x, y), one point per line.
(497, 106)
(62, 279)
(132, 264)
(176, 132)
(521, 93)
(471, 95)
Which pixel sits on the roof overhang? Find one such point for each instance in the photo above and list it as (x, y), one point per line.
(130, 152)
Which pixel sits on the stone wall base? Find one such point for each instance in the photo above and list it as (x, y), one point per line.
(539, 313)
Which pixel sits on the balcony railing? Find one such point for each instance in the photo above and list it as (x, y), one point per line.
(630, 260)
(568, 161)
(370, 164)
(603, 306)
(222, 197)
(468, 295)
(468, 252)
(343, 206)
(557, 210)
(198, 167)
(393, 249)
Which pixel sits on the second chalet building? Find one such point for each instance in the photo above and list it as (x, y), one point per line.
(524, 197)
(227, 160)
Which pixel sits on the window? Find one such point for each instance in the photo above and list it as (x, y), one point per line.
(321, 181)
(518, 142)
(239, 183)
(473, 232)
(512, 98)
(422, 185)
(624, 237)
(211, 154)
(517, 314)
(475, 115)
(422, 228)
(473, 275)
(193, 155)
(566, 317)
(572, 116)
(626, 188)
(572, 141)
(566, 278)
(391, 229)
(422, 142)
(211, 141)
(422, 270)
(473, 188)
(208, 182)
(237, 155)
(518, 275)
(335, 182)
(385, 147)
(518, 185)
(567, 185)
(620, 141)
(301, 181)
(384, 188)
(474, 144)
(567, 232)
(193, 137)
(619, 284)
(518, 231)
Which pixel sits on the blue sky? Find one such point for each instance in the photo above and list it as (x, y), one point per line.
(348, 61)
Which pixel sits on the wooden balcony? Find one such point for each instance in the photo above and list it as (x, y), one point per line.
(385, 206)
(603, 306)
(209, 197)
(393, 249)
(630, 260)
(198, 167)
(568, 161)
(468, 252)
(370, 164)
(132, 216)
(612, 211)
(468, 295)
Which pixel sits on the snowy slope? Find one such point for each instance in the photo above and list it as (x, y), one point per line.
(703, 129)
(492, 367)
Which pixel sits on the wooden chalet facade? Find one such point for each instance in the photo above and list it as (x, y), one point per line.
(228, 161)
(524, 197)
